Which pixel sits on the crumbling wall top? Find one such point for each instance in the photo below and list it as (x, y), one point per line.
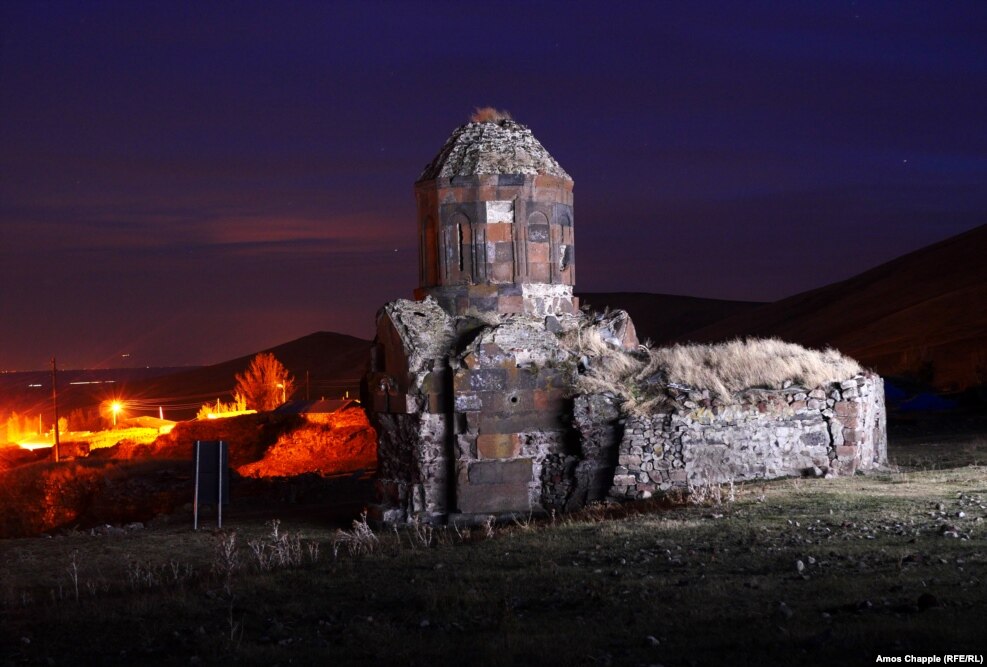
(427, 332)
(523, 341)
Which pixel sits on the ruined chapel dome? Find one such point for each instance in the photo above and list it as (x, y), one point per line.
(499, 146)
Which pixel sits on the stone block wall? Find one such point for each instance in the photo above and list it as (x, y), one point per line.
(831, 430)
(599, 423)
(479, 416)
(407, 395)
(535, 300)
(472, 415)
(512, 422)
(487, 240)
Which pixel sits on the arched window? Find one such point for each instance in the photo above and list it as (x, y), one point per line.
(459, 238)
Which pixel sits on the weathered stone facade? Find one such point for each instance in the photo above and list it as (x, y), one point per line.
(477, 425)
(472, 387)
(495, 224)
(832, 430)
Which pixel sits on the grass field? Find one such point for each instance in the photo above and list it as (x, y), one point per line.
(805, 571)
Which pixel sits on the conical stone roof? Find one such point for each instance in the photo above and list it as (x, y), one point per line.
(492, 147)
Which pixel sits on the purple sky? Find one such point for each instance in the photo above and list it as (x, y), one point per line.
(190, 182)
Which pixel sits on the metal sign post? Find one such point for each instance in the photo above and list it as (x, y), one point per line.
(212, 478)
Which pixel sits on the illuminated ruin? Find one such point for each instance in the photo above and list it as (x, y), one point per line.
(474, 388)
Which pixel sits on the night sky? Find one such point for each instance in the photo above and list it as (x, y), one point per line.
(187, 183)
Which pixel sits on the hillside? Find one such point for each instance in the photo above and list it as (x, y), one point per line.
(922, 314)
(334, 364)
(280, 461)
(665, 318)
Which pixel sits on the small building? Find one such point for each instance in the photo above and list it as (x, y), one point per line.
(317, 412)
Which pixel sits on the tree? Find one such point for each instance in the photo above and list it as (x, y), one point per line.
(265, 384)
(14, 427)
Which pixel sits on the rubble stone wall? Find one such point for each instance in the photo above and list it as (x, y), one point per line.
(477, 417)
(599, 423)
(832, 430)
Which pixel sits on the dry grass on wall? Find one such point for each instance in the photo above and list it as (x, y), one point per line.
(726, 368)
(642, 378)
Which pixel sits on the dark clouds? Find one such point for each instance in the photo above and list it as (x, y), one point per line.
(186, 183)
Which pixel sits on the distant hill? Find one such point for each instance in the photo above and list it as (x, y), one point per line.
(334, 364)
(923, 314)
(664, 318)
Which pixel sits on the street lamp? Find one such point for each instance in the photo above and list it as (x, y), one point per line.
(115, 408)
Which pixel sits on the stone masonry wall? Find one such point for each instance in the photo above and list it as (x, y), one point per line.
(407, 395)
(600, 426)
(511, 431)
(477, 418)
(830, 430)
(472, 414)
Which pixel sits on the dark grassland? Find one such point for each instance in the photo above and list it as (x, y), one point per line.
(803, 571)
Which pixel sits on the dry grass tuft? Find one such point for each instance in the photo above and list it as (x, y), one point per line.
(360, 541)
(642, 379)
(489, 115)
(727, 368)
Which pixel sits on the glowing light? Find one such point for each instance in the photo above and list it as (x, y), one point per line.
(233, 413)
(115, 408)
(32, 445)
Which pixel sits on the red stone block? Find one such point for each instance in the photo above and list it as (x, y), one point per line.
(461, 381)
(500, 231)
(498, 446)
(845, 409)
(547, 400)
(537, 253)
(538, 273)
(502, 272)
(510, 304)
(480, 291)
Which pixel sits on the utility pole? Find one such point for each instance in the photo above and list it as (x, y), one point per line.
(54, 403)
(307, 387)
